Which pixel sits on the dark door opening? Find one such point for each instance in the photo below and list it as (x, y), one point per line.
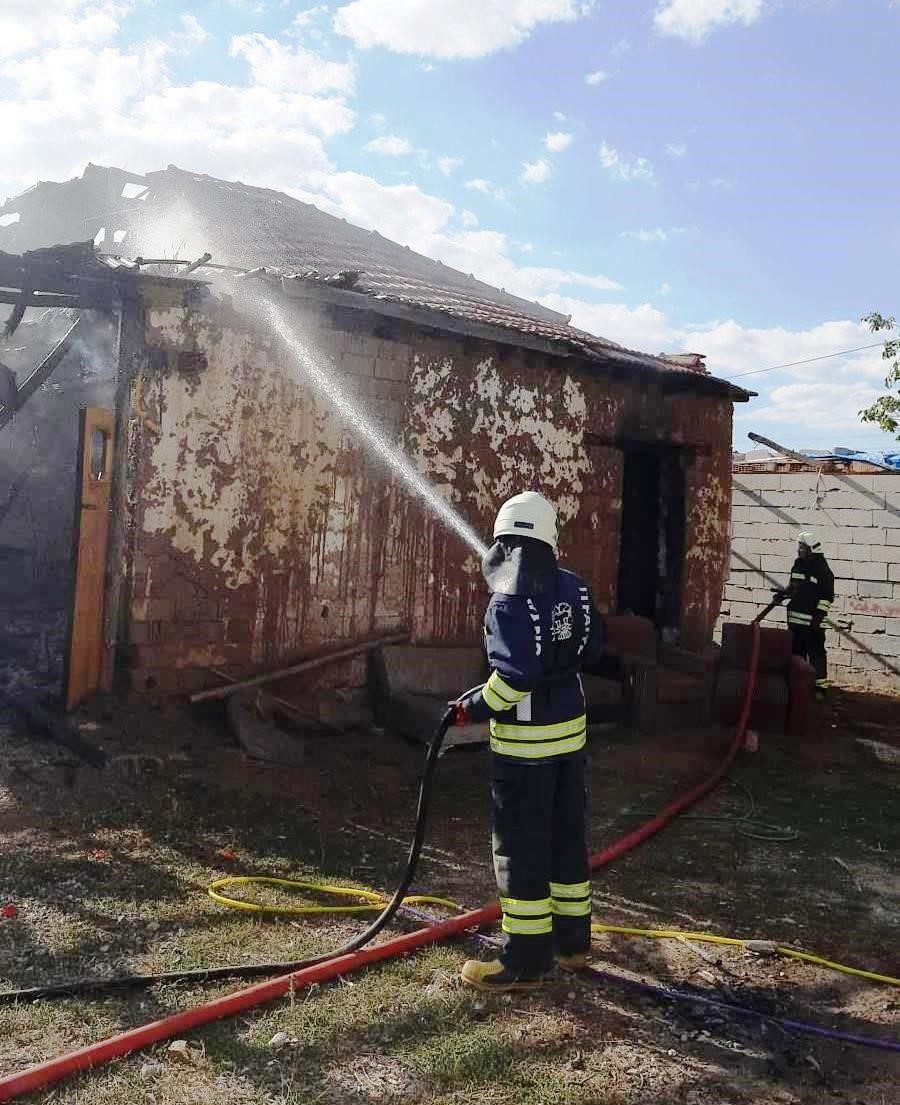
(651, 549)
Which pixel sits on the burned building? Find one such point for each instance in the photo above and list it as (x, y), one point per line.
(249, 519)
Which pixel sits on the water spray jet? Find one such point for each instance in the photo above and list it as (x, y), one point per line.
(259, 303)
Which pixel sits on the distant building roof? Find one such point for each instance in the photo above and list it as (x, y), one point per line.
(172, 213)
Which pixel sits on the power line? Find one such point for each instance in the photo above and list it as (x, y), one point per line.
(809, 360)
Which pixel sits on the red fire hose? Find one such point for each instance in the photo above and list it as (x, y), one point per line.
(54, 1070)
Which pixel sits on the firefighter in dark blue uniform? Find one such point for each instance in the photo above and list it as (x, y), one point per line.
(810, 595)
(541, 629)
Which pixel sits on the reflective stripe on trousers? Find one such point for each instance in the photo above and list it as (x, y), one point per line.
(571, 899)
(524, 917)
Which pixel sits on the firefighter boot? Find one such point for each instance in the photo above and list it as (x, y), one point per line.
(496, 977)
(576, 962)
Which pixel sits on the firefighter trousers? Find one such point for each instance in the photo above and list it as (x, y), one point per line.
(540, 859)
(809, 642)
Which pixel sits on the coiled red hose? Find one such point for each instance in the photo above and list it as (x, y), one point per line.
(54, 1070)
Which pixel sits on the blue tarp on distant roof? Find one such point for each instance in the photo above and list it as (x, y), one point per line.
(890, 461)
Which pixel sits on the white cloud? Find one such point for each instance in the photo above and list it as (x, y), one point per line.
(676, 149)
(486, 188)
(557, 141)
(194, 32)
(450, 28)
(597, 77)
(561, 118)
(292, 69)
(65, 106)
(665, 289)
(656, 234)
(535, 172)
(623, 168)
(643, 327)
(449, 165)
(391, 145)
(424, 222)
(26, 25)
(307, 22)
(73, 81)
(694, 20)
(820, 406)
(722, 184)
(735, 348)
(469, 219)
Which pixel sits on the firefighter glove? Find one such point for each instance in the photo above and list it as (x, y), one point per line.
(460, 714)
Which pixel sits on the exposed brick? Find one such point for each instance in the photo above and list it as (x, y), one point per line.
(867, 589)
(238, 631)
(880, 553)
(154, 681)
(881, 644)
(390, 369)
(894, 573)
(879, 607)
(191, 632)
(870, 571)
(851, 518)
(192, 680)
(845, 499)
(145, 633)
(152, 610)
(842, 569)
(357, 364)
(863, 623)
(892, 626)
(866, 536)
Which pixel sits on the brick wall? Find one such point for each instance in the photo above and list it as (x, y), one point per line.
(263, 527)
(857, 518)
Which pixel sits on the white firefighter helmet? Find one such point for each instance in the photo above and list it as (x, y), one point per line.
(810, 539)
(528, 514)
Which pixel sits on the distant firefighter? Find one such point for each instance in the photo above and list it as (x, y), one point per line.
(810, 594)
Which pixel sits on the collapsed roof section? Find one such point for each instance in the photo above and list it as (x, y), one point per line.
(177, 214)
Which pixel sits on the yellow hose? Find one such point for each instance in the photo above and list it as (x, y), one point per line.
(372, 899)
(751, 945)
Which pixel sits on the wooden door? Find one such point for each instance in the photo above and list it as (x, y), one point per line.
(88, 652)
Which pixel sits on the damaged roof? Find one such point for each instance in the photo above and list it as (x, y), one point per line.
(173, 213)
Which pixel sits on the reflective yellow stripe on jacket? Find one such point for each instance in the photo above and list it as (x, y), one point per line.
(534, 742)
(499, 695)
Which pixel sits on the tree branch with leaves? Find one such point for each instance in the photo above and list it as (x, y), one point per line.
(885, 412)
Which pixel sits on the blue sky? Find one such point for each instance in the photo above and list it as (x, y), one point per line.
(711, 175)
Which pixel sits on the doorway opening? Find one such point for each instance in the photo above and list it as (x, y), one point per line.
(40, 492)
(651, 546)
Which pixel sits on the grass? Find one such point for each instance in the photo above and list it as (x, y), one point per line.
(112, 878)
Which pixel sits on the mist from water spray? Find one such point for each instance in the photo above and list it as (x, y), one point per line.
(322, 376)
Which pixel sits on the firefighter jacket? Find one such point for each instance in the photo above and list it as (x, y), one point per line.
(536, 646)
(811, 591)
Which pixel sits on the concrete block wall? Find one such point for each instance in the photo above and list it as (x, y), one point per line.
(857, 519)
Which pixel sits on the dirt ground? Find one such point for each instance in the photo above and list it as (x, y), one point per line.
(107, 871)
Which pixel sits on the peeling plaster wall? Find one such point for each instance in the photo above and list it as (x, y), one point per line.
(262, 528)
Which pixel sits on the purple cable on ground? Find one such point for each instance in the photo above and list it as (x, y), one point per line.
(797, 1026)
(681, 995)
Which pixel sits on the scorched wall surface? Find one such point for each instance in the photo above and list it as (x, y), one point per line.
(261, 527)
